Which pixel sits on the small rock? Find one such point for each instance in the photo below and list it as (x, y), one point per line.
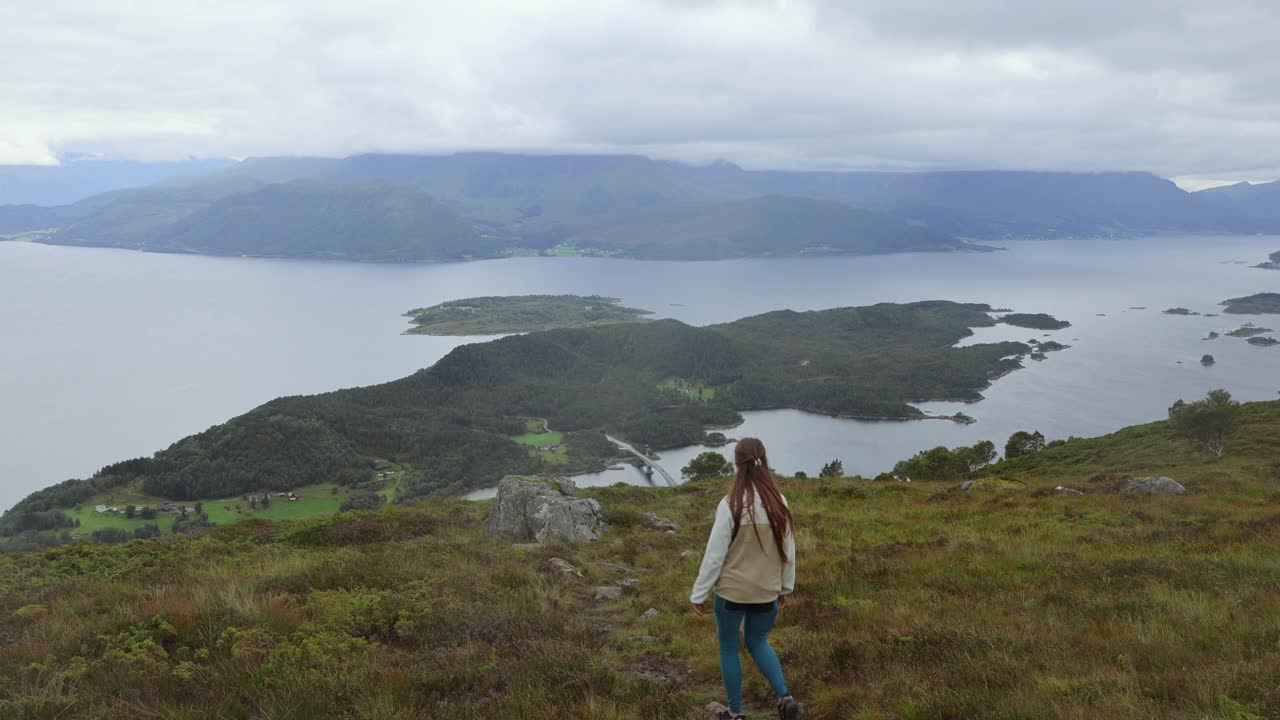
(660, 523)
(649, 614)
(1158, 485)
(685, 554)
(1067, 490)
(614, 567)
(564, 566)
(626, 582)
(714, 709)
(643, 640)
(965, 485)
(608, 592)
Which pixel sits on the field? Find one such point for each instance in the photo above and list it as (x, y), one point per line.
(913, 601)
(314, 500)
(538, 436)
(693, 389)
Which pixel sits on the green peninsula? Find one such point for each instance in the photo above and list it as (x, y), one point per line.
(500, 315)
(1266, 303)
(464, 422)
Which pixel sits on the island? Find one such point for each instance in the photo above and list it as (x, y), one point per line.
(501, 315)
(1180, 311)
(1267, 303)
(1273, 262)
(1246, 330)
(1035, 321)
(549, 402)
(1263, 341)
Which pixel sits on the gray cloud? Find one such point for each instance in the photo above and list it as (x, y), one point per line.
(1182, 88)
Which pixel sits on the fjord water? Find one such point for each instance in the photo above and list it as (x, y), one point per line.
(111, 354)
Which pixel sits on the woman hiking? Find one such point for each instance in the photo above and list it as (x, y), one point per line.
(750, 565)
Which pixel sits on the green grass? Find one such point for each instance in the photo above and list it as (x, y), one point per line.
(541, 438)
(537, 440)
(315, 500)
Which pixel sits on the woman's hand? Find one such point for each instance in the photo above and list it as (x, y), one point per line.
(782, 602)
(698, 609)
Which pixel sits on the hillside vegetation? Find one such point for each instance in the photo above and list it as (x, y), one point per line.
(913, 601)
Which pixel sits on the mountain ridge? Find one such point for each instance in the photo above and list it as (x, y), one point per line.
(532, 203)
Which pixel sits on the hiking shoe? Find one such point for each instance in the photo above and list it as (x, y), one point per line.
(788, 708)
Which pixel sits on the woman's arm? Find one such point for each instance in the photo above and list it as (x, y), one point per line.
(713, 559)
(789, 567)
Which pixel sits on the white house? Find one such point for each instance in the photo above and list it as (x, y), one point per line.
(101, 508)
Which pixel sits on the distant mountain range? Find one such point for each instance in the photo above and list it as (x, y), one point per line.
(78, 178)
(467, 205)
(1260, 201)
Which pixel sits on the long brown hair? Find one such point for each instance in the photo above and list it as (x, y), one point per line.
(754, 479)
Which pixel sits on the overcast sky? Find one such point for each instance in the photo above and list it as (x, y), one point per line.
(1184, 89)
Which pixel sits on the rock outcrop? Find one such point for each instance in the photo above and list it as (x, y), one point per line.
(546, 511)
(1159, 485)
(660, 523)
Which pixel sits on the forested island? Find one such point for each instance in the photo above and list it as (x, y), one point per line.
(1266, 303)
(456, 425)
(499, 315)
(1035, 321)
(1273, 262)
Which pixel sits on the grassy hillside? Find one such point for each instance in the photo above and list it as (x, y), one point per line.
(912, 602)
(1155, 449)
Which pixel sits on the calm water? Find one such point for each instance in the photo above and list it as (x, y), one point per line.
(111, 354)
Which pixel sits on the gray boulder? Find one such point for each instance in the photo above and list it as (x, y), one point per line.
(649, 614)
(546, 511)
(1159, 485)
(564, 567)
(661, 523)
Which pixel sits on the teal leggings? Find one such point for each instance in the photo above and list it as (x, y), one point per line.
(756, 635)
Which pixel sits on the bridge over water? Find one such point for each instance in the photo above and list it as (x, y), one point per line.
(647, 462)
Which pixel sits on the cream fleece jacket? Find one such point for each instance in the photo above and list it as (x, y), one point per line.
(748, 568)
